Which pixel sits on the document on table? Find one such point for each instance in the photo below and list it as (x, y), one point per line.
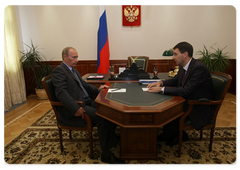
(117, 90)
(148, 81)
(145, 89)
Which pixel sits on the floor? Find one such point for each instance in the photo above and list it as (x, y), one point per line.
(20, 118)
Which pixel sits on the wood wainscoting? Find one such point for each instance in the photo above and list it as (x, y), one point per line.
(90, 66)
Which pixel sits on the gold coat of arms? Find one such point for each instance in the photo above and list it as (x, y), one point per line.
(131, 15)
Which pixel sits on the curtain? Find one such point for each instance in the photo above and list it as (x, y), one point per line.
(14, 84)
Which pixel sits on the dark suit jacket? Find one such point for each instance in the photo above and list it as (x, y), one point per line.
(68, 91)
(197, 84)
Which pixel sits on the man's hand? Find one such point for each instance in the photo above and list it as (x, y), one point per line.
(157, 84)
(80, 112)
(103, 87)
(155, 89)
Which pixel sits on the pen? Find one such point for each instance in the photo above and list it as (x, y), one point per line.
(116, 89)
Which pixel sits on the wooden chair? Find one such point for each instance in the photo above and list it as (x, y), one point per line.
(221, 83)
(140, 61)
(47, 83)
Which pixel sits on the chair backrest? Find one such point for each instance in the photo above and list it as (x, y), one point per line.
(221, 83)
(50, 90)
(47, 83)
(140, 61)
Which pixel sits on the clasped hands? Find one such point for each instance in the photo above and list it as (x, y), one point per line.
(155, 87)
(81, 111)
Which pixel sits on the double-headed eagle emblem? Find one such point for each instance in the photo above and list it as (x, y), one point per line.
(131, 13)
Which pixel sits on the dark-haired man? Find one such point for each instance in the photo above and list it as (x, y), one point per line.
(69, 88)
(192, 82)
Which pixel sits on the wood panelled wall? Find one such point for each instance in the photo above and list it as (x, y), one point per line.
(90, 66)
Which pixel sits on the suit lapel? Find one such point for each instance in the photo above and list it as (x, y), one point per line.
(69, 71)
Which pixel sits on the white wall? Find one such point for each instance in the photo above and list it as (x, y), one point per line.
(162, 27)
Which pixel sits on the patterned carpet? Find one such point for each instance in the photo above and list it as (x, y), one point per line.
(39, 144)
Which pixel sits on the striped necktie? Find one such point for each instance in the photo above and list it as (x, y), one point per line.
(80, 83)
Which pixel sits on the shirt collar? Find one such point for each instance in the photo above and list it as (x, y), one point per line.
(187, 65)
(70, 68)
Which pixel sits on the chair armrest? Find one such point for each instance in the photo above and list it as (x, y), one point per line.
(204, 101)
(86, 117)
(56, 103)
(60, 104)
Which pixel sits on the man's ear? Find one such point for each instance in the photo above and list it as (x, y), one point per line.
(186, 54)
(64, 57)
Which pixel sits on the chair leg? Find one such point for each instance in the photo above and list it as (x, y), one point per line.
(91, 144)
(60, 139)
(179, 143)
(70, 134)
(211, 139)
(201, 134)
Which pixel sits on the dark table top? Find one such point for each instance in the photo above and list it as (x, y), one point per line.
(135, 96)
(135, 100)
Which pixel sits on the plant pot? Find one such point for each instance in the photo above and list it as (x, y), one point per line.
(41, 94)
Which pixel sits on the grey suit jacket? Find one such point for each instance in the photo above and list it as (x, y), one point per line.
(68, 91)
(197, 84)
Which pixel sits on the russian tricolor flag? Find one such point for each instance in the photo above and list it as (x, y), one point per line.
(103, 46)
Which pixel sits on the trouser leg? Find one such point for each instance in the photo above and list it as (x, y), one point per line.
(106, 130)
(171, 130)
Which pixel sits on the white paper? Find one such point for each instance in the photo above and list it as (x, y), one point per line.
(117, 90)
(121, 69)
(145, 89)
(99, 76)
(91, 77)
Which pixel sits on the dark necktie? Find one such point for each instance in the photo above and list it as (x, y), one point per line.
(183, 78)
(80, 83)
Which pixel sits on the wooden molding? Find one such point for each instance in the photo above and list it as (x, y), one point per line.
(90, 66)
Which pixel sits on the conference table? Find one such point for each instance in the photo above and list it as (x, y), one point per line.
(138, 113)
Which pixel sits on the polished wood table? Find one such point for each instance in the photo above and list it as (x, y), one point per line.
(139, 114)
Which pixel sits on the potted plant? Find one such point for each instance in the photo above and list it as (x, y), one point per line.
(221, 62)
(33, 60)
(215, 61)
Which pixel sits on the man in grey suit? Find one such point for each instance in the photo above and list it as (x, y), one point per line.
(192, 82)
(69, 88)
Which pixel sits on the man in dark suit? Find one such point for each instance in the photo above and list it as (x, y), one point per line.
(192, 82)
(69, 88)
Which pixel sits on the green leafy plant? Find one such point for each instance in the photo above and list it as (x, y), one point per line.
(215, 61)
(220, 60)
(34, 60)
(206, 58)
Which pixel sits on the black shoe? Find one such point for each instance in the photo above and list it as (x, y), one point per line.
(174, 141)
(185, 136)
(111, 159)
(161, 138)
(116, 141)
